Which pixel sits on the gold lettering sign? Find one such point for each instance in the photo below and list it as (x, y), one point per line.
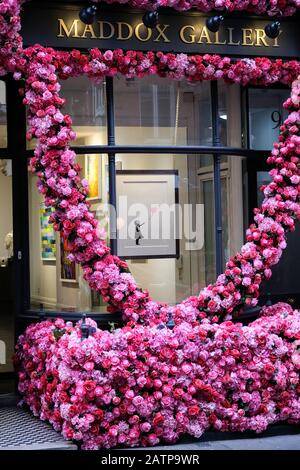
(204, 36)
(122, 29)
(261, 38)
(247, 37)
(65, 31)
(185, 36)
(217, 39)
(196, 33)
(230, 38)
(101, 30)
(138, 32)
(90, 31)
(162, 33)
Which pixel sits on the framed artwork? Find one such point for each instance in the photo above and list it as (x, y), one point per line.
(68, 269)
(147, 208)
(48, 238)
(93, 171)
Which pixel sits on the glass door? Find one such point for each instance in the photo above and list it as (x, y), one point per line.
(284, 284)
(265, 115)
(7, 326)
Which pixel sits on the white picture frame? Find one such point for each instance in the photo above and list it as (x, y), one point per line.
(145, 191)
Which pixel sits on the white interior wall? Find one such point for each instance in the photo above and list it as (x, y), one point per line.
(46, 286)
(157, 275)
(42, 273)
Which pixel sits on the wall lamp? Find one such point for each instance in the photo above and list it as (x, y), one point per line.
(88, 14)
(213, 23)
(150, 19)
(272, 30)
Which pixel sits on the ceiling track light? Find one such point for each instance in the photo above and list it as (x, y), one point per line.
(150, 19)
(272, 30)
(214, 22)
(88, 14)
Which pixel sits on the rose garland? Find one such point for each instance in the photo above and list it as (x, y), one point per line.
(140, 386)
(60, 183)
(271, 8)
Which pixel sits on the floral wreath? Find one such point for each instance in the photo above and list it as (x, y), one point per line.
(144, 383)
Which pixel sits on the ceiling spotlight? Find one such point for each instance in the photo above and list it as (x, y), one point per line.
(213, 23)
(272, 30)
(150, 19)
(88, 14)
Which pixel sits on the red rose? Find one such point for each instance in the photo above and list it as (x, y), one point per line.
(89, 386)
(269, 369)
(178, 393)
(193, 410)
(99, 414)
(158, 419)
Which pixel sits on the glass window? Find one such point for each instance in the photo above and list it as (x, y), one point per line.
(7, 333)
(3, 118)
(86, 104)
(159, 111)
(56, 284)
(155, 112)
(229, 102)
(266, 114)
(148, 193)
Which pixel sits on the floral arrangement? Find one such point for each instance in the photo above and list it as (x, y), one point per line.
(272, 8)
(145, 383)
(60, 183)
(139, 386)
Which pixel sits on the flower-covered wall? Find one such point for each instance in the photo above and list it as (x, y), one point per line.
(146, 382)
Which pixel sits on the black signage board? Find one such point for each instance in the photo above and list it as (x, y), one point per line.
(59, 26)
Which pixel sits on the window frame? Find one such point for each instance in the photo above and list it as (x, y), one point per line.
(254, 158)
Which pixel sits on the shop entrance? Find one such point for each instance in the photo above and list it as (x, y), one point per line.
(284, 284)
(265, 116)
(14, 279)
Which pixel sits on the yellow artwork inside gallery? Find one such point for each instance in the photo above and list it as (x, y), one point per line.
(92, 174)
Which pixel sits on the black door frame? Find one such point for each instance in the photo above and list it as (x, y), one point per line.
(16, 152)
(252, 167)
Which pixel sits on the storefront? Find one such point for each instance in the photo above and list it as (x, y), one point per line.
(154, 139)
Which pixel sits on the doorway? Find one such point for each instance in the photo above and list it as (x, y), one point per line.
(7, 323)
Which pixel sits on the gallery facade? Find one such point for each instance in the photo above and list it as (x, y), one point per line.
(199, 146)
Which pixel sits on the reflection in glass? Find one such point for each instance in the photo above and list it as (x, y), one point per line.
(86, 104)
(56, 284)
(266, 114)
(159, 111)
